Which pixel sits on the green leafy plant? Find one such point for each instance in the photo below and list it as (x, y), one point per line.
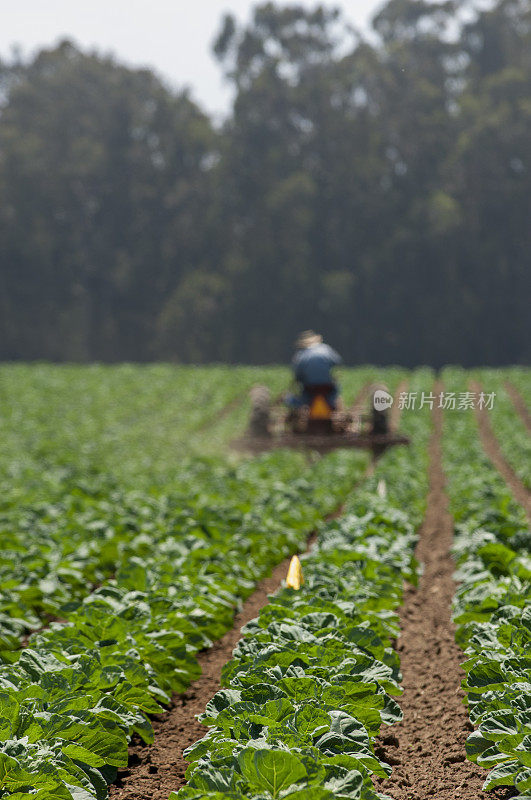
(491, 606)
(314, 677)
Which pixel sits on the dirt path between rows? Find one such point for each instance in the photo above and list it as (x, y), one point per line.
(494, 452)
(158, 769)
(427, 749)
(519, 403)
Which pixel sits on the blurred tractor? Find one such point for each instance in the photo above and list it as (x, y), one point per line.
(316, 425)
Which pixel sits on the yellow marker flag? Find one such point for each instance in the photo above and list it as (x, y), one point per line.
(295, 578)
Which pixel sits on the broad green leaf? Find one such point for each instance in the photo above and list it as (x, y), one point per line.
(311, 793)
(310, 720)
(502, 775)
(272, 770)
(9, 709)
(523, 781)
(349, 784)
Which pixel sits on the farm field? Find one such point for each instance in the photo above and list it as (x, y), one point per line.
(139, 552)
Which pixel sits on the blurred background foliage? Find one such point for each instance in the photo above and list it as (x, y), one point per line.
(377, 189)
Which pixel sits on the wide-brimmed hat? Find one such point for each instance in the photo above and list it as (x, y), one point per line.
(308, 339)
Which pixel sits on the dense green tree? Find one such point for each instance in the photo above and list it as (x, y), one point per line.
(376, 189)
(104, 177)
(489, 175)
(367, 131)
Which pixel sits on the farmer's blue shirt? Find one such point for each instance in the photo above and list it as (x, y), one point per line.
(313, 365)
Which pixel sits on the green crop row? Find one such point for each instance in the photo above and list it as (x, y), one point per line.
(312, 680)
(520, 377)
(174, 554)
(72, 699)
(492, 606)
(88, 479)
(59, 551)
(510, 430)
(91, 459)
(66, 424)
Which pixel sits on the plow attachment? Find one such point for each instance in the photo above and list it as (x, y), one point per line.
(274, 426)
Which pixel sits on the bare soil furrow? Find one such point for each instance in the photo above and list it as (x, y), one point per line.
(519, 403)
(156, 770)
(493, 450)
(427, 749)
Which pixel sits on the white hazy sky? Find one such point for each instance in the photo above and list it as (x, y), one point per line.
(173, 36)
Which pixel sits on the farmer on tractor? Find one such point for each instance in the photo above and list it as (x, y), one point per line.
(312, 366)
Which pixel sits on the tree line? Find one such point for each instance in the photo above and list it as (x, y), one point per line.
(375, 188)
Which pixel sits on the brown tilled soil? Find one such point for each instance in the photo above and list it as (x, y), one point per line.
(427, 749)
(156, 770)
(519, 403)
(493, 450)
